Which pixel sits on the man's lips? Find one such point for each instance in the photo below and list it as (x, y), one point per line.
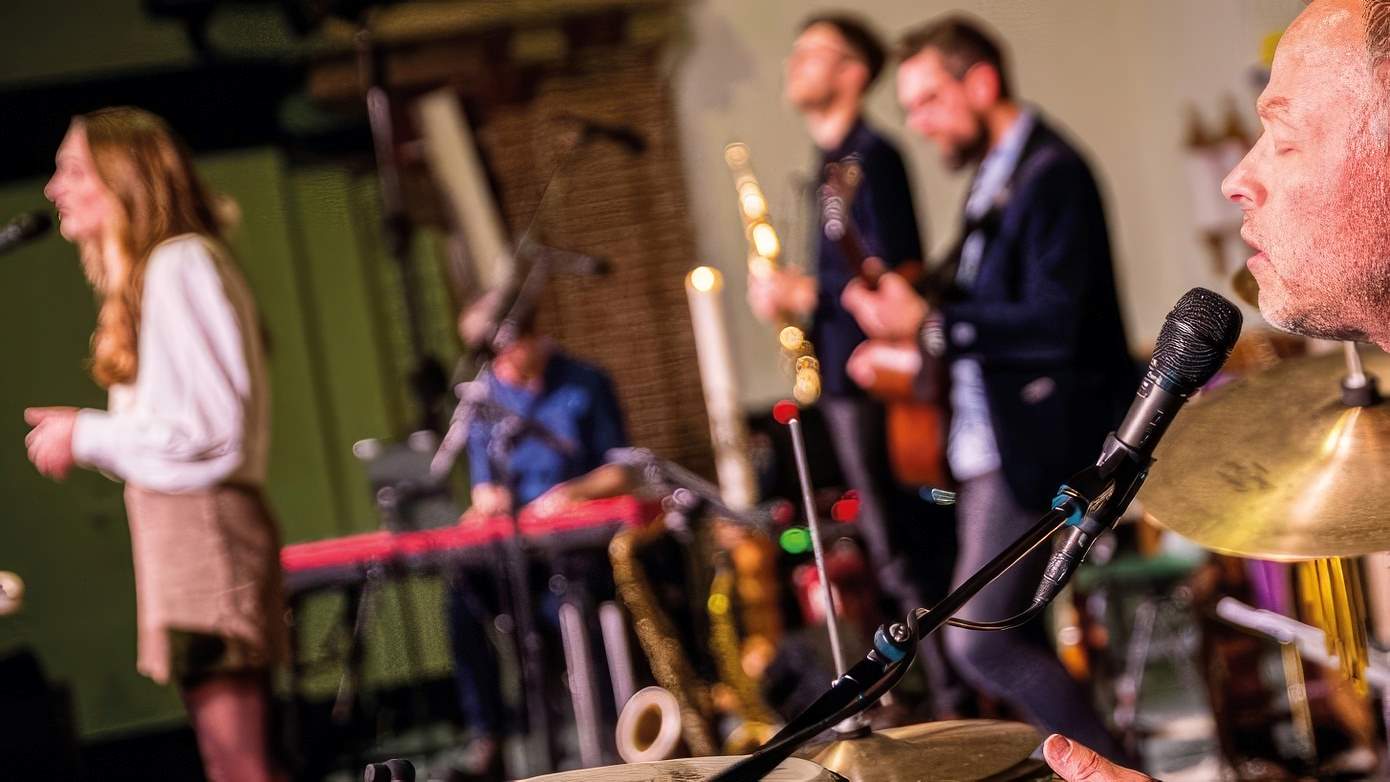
(1248, 236)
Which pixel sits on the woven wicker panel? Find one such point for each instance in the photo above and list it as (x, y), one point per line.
(629, 208)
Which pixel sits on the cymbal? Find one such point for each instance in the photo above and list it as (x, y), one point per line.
(686, 770)
(936, 751)
(1275, 466)
(1244, 285)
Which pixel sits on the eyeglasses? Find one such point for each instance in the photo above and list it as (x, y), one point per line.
(820, 50)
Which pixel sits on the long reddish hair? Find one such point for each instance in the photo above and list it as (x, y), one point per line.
(150, 173)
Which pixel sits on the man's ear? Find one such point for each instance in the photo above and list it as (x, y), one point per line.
(982, 85)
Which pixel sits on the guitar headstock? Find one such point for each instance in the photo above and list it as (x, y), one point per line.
(837, 193)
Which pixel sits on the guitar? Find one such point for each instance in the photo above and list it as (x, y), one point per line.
(917, 413)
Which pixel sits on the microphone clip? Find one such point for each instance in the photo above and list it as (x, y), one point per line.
(1097, 495)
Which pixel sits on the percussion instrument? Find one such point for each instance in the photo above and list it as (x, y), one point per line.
(688, 770)
(1276, 466)
(956, 750)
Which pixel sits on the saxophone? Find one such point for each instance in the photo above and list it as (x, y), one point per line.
(758, 722)
(764, 249)
(644, 730)
(647, 728)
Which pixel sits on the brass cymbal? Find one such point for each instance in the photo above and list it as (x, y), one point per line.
(1244, 285)
(1275, 466)
(936, 751)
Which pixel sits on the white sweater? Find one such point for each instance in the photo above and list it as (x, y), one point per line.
(198, 413)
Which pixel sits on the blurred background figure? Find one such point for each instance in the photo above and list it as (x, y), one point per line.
(179, 348)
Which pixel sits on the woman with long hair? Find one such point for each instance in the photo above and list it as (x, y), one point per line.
(177, 346)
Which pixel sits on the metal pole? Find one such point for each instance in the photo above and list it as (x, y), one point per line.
(803, 473)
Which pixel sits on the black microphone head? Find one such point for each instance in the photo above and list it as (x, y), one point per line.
(401, 770)
(31, 224)
(1196, 338)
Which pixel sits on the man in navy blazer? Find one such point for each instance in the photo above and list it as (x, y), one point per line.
(1026, 326)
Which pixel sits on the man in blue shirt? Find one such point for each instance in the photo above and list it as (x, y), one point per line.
(566, 418)
(538, 443)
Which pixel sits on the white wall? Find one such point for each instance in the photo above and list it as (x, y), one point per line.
(1117, 73)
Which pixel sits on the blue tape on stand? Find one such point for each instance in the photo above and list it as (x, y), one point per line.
(1064, 499)
(887, 647)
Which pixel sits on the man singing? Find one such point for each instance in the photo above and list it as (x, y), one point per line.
(1316, 198)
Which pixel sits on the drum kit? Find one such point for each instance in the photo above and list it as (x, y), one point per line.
(1286, 464)
(932, 752)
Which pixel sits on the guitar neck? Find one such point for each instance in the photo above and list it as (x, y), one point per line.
(838, 225)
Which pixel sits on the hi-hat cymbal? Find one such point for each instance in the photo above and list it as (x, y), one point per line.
(1244, 285)
(936, 751)
(1275, 466)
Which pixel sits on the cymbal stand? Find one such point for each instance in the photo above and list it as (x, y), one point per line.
(855, 724)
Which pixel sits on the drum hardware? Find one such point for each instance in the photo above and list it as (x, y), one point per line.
(788, 414)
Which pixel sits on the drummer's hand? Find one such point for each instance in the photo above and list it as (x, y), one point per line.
(489, 499)
(558, 499)
(1076, 762)
(874, 355)
(893, 310)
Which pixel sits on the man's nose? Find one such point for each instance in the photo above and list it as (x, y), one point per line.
(1243, 186)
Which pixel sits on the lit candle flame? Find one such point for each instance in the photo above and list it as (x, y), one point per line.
(704, 279)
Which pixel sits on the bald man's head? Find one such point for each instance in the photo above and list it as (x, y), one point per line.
(1315, 188)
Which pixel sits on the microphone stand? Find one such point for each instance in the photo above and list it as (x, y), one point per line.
(475, 402)
(1090, 503)
(507, 432)
(687, 488)
(427, 378)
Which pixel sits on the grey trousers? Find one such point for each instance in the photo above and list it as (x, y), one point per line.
(1018, 666)
(894, 546)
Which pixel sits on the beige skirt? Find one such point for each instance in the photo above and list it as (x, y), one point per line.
(206, 562)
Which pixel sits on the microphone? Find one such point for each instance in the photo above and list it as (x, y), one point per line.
(1197, 337)
(30, 225)
(569, 262)
(587, 266)
(393, 770)
(623, 135)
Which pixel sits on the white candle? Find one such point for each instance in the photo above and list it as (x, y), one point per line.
(704, 287)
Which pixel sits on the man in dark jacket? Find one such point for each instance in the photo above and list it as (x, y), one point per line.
(1027, 328)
